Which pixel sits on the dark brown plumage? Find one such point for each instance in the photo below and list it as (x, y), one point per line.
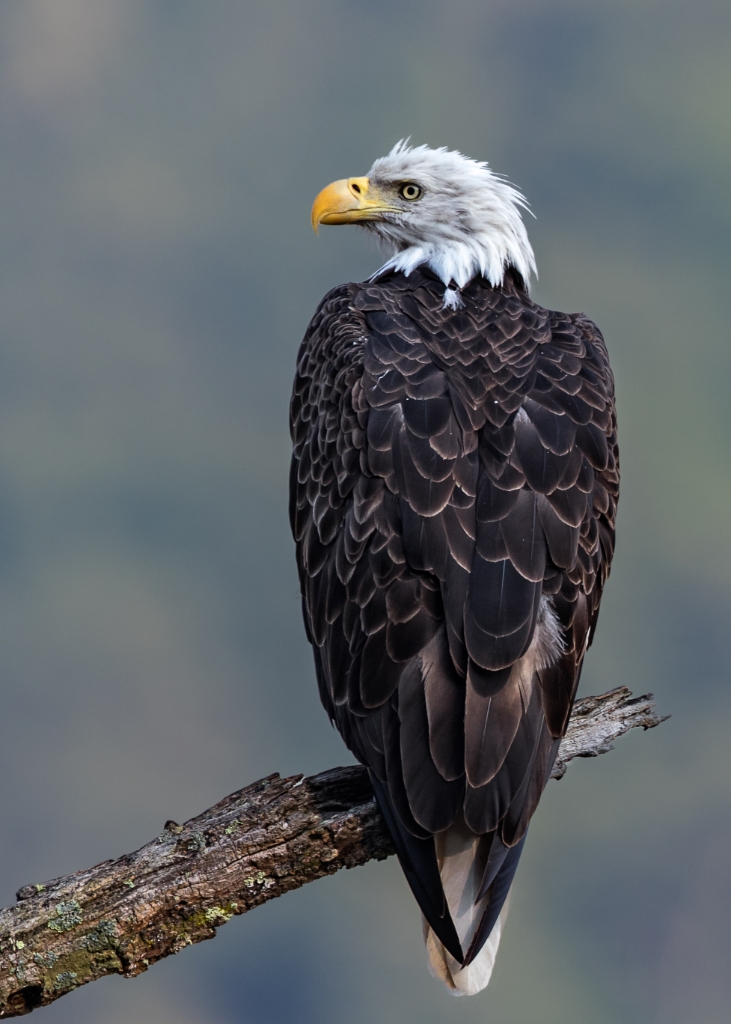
(454, 483)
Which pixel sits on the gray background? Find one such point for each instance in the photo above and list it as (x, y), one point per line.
(158, 159)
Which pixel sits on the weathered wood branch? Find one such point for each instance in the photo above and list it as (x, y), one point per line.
(275, 835)
(596, 721)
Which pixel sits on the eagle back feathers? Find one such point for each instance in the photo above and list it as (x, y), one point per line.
(453, 495)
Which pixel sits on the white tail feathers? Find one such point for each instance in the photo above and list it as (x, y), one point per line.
(461, 871)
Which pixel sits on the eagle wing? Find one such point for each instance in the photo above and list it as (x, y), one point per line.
(453, 494)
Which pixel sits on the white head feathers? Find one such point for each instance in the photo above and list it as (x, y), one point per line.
(466, 220)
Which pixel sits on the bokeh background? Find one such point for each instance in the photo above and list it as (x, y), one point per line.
(157, 270)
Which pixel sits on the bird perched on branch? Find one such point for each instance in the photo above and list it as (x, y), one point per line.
(454, 486)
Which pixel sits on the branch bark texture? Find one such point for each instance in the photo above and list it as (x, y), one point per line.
(123, 915)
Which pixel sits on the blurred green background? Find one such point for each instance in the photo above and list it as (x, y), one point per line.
(158, 160)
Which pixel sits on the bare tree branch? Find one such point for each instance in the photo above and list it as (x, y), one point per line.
(596, 721)
(277, 834)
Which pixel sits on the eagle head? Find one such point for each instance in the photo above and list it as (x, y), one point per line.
(435, 207)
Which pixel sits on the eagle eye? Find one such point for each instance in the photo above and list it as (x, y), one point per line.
(410, 191)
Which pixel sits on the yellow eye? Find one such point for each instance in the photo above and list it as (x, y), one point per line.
(410, 191)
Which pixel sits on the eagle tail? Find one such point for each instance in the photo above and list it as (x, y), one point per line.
(461, 882)
(476, 874)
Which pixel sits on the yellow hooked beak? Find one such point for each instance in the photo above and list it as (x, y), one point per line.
(349, 201)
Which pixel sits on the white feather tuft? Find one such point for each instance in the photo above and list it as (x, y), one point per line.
(452, 299)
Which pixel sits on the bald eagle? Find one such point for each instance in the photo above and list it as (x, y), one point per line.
(454, 485)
